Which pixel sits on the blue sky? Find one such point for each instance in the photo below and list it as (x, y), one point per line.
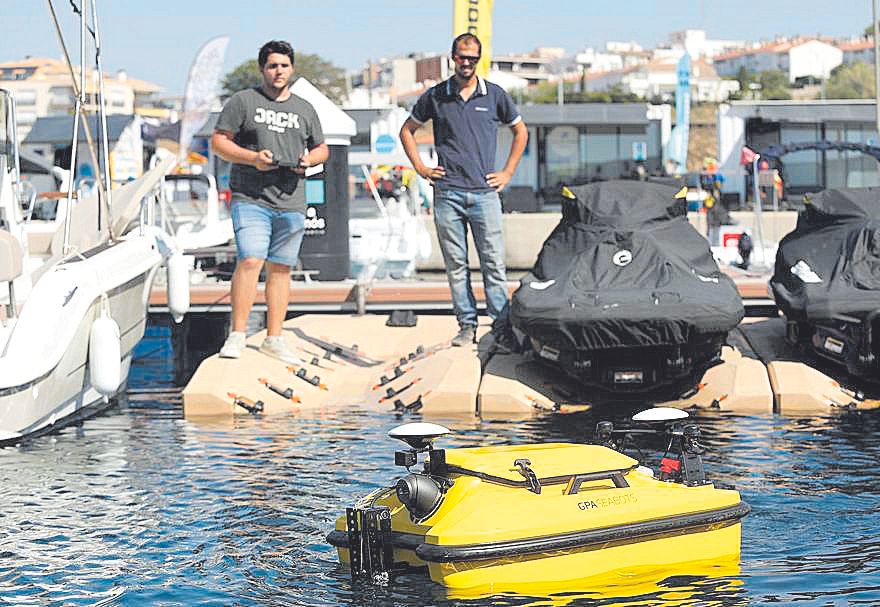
(156, 39)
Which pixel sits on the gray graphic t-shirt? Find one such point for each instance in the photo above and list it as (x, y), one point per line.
(286, 128)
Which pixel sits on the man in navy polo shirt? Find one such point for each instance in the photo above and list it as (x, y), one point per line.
(466, 111)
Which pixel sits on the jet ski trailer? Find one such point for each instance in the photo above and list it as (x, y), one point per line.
(625, 296)
(492, 519)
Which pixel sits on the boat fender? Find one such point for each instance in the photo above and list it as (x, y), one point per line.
(177, 268)
(105, 354)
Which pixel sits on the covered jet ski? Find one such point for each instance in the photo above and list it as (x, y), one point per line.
(507, 518)
(625, 295)
(827, 278)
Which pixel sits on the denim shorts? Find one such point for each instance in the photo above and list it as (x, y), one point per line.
(263, 233)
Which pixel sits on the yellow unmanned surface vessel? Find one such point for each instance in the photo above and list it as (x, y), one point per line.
(492, 519)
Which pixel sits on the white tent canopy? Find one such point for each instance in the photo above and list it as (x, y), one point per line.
(338, 126)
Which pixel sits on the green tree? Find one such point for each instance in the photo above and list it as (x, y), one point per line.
(326, 77)
(774, 85)
(548, 92)
(745, 78)
(852, 81)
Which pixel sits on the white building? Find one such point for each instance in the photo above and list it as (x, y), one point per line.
(42, 87)
(658, 79)
(623, 47)
(535, 67)
(592, 61)
(860, 50)
(798, 58)
(697, 45)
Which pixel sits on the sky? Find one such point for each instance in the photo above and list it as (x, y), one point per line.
(156, 40)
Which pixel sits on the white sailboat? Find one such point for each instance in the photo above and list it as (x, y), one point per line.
(74, 290)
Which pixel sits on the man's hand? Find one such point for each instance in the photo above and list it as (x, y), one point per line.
(264, 161)
(432, 175)
(303, 164)
(498, 180)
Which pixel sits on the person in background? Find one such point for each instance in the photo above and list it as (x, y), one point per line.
(257, 128)
(466, 111)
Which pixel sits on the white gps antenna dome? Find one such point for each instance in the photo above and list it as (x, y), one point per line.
(659, 414)
(418, 435)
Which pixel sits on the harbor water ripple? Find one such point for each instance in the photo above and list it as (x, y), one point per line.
(141, 507)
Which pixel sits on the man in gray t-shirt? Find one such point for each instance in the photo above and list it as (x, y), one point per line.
(271, 137)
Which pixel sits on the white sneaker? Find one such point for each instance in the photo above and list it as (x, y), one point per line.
(276, 347)
(233, 345)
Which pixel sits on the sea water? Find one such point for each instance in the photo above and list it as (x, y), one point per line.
(141, 507)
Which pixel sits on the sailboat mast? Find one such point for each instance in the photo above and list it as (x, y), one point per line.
(78, 110)
(102, 106)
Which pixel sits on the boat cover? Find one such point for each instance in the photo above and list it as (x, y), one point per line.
(830, 264)
(624, 268)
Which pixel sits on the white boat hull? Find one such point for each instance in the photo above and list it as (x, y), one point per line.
(53, 387)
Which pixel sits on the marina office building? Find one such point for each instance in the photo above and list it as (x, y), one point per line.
(581, 142)
(758, 124)
(568, 144)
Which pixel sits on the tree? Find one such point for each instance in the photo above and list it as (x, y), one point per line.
(745, 78)
(852, 81)
(326, 77)
(774, 85)
(548, 92)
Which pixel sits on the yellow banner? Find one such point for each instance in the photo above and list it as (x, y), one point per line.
(475, 17)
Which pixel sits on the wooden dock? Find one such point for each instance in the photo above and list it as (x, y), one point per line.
(424, 292)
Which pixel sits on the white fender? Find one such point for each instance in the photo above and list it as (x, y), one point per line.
(105, 354)
(177, 267)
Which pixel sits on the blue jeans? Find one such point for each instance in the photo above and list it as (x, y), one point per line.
(263, 233)
(454, 211)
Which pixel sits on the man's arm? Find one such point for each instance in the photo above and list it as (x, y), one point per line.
(223, 145)
(500, 179)
(316, 155)
(408, 140)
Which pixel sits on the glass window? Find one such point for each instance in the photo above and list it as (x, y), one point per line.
(602, 157)
(26, 97)
(61, 96)
(835, 161)
(655, 153)
(562, 153)
(861, 169)
(801, 168)
(632, 139)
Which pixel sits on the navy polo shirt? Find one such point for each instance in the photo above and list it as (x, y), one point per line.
(465, 132)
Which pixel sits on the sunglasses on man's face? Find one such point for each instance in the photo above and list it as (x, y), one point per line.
(466, 58)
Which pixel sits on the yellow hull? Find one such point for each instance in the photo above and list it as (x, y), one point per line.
(608, 564)
(490, 533)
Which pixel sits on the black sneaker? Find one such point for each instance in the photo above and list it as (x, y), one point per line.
(466, 335)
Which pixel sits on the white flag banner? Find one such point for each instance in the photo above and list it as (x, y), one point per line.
(201, 90)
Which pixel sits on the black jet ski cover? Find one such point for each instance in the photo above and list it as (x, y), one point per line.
(830, 264)
(625, 269)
